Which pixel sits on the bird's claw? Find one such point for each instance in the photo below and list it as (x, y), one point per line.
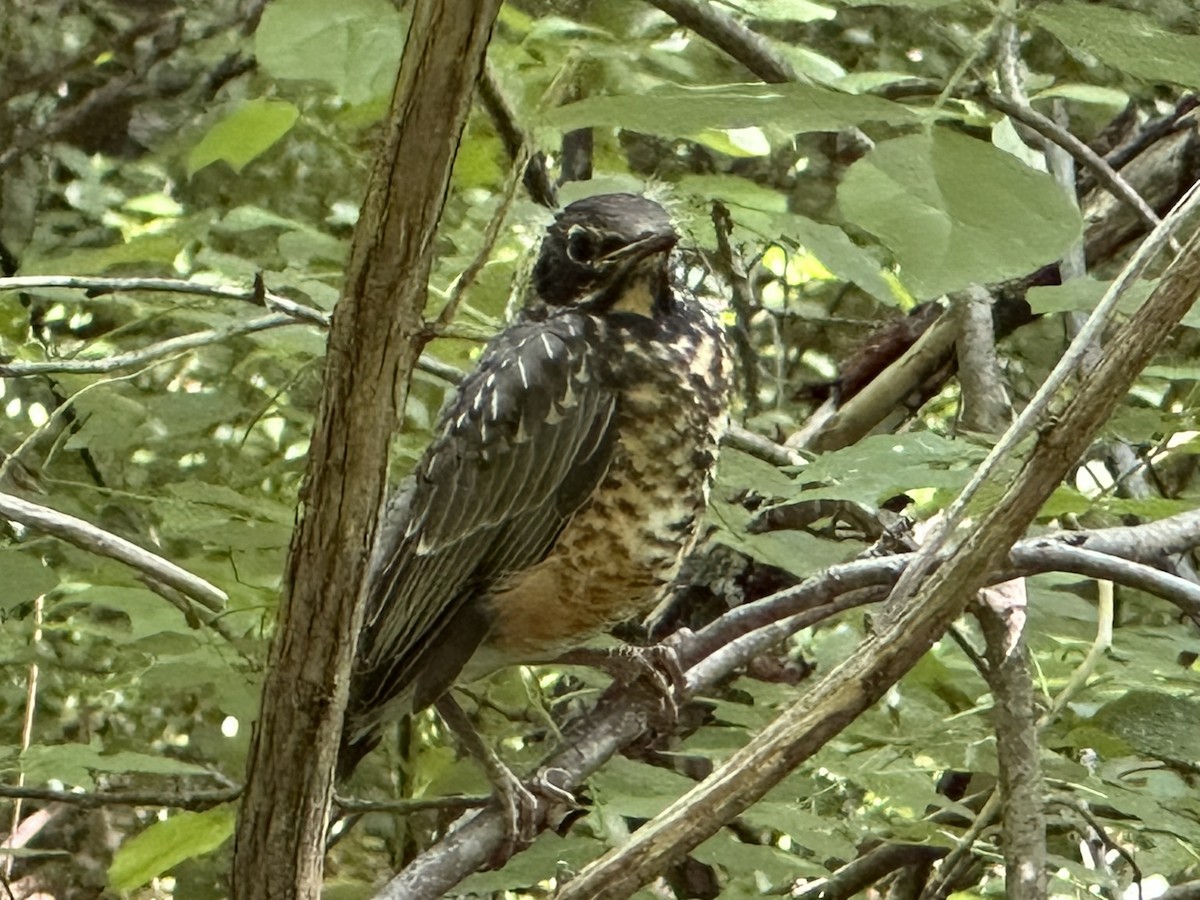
(519, 801)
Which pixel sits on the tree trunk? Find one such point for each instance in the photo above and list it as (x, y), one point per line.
(374, 342)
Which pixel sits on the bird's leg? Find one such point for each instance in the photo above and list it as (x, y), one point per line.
(517, 801)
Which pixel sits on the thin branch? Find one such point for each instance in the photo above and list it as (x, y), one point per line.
(750, 49)
(960, 858)
(31, 694)
(1039, 406)
(1100, 646)
(742, 299)
(516, 144)
(624, 712)
(761, 447)
(404, 807)
(856, 876)
(1083, 154)
(149, 353)
(984, 406)
(490, 235)
(96, 286)
(104, 543)
(193, 800)
(1002, 613)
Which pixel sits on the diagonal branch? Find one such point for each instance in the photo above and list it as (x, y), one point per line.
(622, 715)
(104, 543)
(149, 353)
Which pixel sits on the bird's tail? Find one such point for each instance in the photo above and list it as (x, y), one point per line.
(351, 752)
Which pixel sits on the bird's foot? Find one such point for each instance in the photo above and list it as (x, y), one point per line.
(525, 806)
(658, 664)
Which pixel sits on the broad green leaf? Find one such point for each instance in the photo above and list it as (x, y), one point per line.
(764, 213)
(782, 10)
(247, 132)
(75, 764)
(352, 45)
(915, 4)
(1154, 723)
(723, 849)
(23, 576)
(148, 614)
(166, 844)
(533, 865)
(1082, 294)
(957, 211)
(677, 111)
(1126, 40)
(630, 788)
(881, 466)
(142, 251)
(1094, 94)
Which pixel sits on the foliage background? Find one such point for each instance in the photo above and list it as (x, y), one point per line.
(224, 142)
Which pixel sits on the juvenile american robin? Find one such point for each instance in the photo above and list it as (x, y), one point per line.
(567, 477)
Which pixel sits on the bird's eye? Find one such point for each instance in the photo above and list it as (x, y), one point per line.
(581, 244)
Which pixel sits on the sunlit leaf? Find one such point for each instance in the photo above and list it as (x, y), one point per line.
(165, 844)
(957, 211)
(245, 133)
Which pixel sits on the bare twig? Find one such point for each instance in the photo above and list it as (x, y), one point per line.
(742, 299)
(490, 235)
(193, 800)
(104, 543)
(1084, 154)
(96, 286)
(1002, 613)
(31, 692)
(149, 353)
(960, 858)
(984, 406)
(1100, 646)
(752, 50)
(756, 445)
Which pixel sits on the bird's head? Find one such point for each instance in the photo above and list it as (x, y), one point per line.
(608, 253)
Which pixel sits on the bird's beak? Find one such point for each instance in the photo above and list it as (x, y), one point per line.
(643, 247)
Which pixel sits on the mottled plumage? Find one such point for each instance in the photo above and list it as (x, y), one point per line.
(566, 479)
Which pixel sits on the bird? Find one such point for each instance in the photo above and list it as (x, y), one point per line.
(566, 479)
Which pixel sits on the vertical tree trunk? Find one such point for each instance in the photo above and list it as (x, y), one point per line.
(374, 341)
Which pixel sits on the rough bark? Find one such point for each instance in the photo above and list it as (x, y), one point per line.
(374, 342)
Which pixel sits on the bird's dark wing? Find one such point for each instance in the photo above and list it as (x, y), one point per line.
(526, 440)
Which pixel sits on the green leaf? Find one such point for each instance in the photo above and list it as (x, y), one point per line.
(782, 10)
(1126, 40)
(1111, 98)
(75, 764)
(533, 865)
(764, 213)
(352, 45)
(1154, 723)
(24, 577)
(679, 112)
(957, 211)
(158, 249)
(881, 466)
(247, 132)
(147, 613)
(915, 4)
(1083, 294)
(166, 844)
